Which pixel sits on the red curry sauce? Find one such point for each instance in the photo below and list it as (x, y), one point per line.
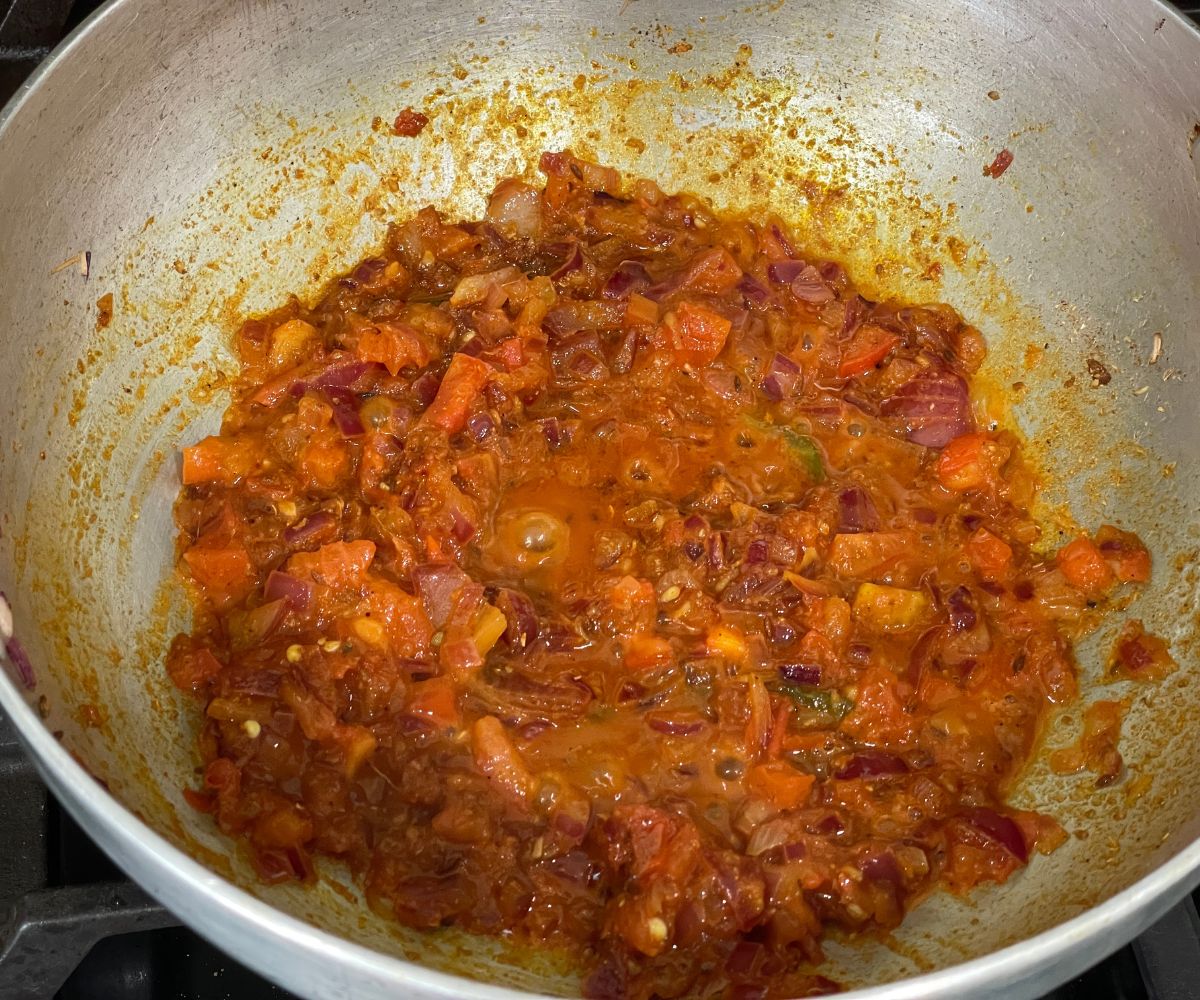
(612, 574)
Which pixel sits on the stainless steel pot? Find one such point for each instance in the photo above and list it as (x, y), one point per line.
(209, 158)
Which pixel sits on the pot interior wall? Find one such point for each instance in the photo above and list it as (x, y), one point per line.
(214, 158)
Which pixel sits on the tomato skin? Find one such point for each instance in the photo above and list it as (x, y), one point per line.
(1125, 553)
(713, 271)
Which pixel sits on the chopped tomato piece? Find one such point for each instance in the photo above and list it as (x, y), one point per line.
(225, 574)
(393, 345)
(190, 666)
(878, 716)
(967, 463)
(629, 593)
(325, 461)
(712, 271)
(871, 344)
(460, 387)
(870, 554)
(340, 565)
(1125, 553)
(727, 641)
(1138, 655)
(357, 744)
(646, 652)
(409, 123)
(216, 460)
(780, 784)
(290, 342)
(436, 700)
(391, 616)
(510, 354)
(697, 334)
(282, 827)
(1084, 567)
(989, 554)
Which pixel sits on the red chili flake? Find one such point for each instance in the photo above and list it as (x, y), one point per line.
(409, 122)
(1000, 164)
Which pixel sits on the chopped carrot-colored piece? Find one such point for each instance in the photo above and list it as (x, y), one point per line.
(325, 461)
(488, 627)
(888, 609)
(640, 311)
(216, 460)
(727, 641)
(357, 744)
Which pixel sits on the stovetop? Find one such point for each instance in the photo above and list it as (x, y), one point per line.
(72, 927)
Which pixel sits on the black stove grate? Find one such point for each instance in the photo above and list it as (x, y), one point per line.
(72, 927)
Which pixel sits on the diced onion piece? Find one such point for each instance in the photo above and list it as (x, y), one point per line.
(474, 288)
(934, 406)
(517, 206)
(496, 757)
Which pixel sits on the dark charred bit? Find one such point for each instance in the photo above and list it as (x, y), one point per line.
(1100, 374)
